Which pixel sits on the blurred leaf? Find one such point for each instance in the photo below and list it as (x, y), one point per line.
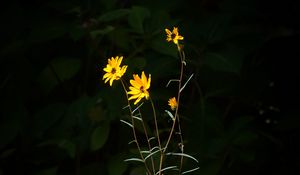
(66, 68)
(245, 138)
(68, 146)
(136, 18)
(76, 32)
(46, 118)
(138, 62)
(103, 31)
(160, 45)
(10, 122)
(97, 113)
(57, 71)
(7, 153)
(99, 136)
(114, 15)
(219, 62)
(47, 31)
(116, 165)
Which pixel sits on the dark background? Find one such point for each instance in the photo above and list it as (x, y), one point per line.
(240, 112)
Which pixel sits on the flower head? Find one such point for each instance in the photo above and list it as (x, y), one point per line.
(139, 87)
(172, 103)
(113, 70)
(174, 35)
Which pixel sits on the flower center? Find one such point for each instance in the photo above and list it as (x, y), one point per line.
(173, 35)
(142, 89)
(113, 71)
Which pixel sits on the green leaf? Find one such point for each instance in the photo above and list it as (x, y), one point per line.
(160, 45)
(47, 31)
(46, 118)
(245, 138)
(66, 68)
(103, 31)
(57, 71)
(136, 18)
(68, 146)
(219, 62)
(114, 15)
(139, 62)
(99, 136)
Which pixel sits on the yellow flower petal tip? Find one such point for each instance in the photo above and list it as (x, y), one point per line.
(113, 71)
(173, 103)
(139, 87)
(174, 35)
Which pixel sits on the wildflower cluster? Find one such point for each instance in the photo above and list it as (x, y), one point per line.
(139, 89)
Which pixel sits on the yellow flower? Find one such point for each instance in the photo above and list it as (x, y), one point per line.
(174, 35)
(139, 87)
(113, 70)
(173, 103)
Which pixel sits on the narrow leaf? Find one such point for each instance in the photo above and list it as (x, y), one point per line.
(186, 82)
(167, 168)
(123, 121)
(182, 154)
(134, 159)
(170, 114)
(189, 171)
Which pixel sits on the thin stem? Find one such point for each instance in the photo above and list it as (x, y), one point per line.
(182, 61)
(178, 98)
(149, 144)
(133, 128)
(157, 135)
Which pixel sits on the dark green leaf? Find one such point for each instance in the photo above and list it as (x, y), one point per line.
(114, 15)
(99, 136)
(136, 18)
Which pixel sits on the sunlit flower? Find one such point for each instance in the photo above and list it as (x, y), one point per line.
(113, 70)
(174, 35)
(139, 87)
(172, 103)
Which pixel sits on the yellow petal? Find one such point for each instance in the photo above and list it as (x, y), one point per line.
(175, 30)
(144, 79)
(119, 61)
(137, 100)
(149, 81)
(135, 84)
(134, 96)
(105, 76)
(168, 32)
(111, 81)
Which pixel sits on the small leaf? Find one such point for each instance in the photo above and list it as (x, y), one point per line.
(99, 136)
(68, 146)
(103, 31)
(136, 18)
(114, 15)
(220, 62)
(57, 71)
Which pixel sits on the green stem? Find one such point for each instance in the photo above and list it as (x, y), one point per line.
(133, 128)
